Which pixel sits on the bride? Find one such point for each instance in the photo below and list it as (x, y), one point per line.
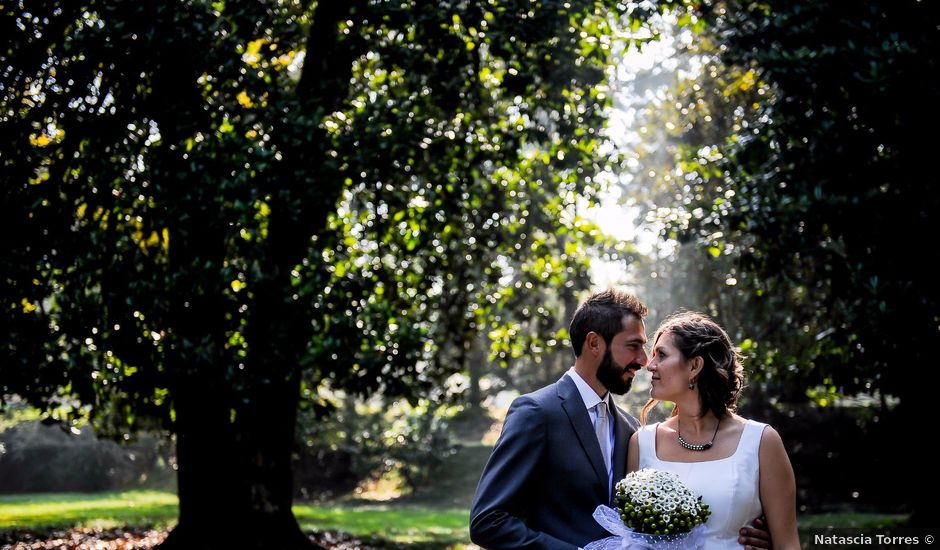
(739, 466)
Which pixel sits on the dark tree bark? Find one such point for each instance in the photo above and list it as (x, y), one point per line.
(234, 448)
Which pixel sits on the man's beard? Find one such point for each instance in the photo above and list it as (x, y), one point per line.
(611, 376)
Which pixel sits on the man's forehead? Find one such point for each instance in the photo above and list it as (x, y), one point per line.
(634, 329)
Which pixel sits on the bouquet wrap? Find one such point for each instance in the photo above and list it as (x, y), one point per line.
(625, 538)
(654, 510)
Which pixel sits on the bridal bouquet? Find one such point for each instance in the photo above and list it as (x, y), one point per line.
(655, 510)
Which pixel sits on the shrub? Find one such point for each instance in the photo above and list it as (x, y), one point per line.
(364, 440)
(48, 458)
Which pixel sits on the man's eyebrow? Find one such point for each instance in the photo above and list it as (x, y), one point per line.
(640, 341)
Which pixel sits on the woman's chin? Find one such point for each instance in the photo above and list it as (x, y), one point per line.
(658, 395)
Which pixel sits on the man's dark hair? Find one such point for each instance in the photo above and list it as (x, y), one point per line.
(603, 313)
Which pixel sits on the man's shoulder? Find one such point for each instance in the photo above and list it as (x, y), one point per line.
(544, 399)
(549, 393)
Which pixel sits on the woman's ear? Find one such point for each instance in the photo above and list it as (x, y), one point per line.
(697, 364)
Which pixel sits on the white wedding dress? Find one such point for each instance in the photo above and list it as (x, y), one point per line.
(729, 486)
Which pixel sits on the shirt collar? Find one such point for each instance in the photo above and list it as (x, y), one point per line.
(588, 395)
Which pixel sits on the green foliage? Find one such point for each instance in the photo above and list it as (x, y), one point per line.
(38, 458)
(372, 438)
(798, 190)
(422, 447)
(196, 195)
(469, 211)
(829, 194)
(801, 200)
(122, 140)
(223, 210)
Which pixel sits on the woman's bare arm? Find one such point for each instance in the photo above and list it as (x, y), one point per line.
(778, 491)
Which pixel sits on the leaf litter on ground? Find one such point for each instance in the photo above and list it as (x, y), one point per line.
(134, 539)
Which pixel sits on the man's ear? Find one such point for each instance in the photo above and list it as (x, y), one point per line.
(595, 343)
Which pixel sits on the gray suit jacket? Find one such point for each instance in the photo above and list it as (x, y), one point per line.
(546, 474)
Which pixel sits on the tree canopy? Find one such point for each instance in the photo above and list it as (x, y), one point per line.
(800, 191)
(215, 208)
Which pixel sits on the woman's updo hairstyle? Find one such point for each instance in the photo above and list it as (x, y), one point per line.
(722, 376)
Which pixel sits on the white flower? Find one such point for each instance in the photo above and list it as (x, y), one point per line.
(662, 493)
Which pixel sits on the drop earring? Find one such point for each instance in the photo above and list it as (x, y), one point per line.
(691, 384)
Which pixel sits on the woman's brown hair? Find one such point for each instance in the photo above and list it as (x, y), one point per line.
(722, 376)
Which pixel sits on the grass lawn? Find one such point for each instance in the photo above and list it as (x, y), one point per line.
(106, 510)
(422, 525)
(847, 520)
(402, 524)
(874, 522)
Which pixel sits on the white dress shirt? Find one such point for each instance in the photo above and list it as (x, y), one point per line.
(591, 399)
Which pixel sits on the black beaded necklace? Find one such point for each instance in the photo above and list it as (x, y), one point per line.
(693, 446)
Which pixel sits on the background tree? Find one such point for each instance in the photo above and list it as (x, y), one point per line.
(216, 208)
(802, 172)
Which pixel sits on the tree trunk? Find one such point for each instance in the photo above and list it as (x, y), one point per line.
(234, 444)
(234, 421)
(476, 368)
(235, 483)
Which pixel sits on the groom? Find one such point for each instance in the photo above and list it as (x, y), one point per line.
(564, 446)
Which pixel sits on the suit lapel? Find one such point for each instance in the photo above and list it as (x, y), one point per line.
(581, 423)
(622, 435)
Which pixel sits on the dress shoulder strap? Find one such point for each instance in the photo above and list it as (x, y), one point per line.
(647, 442)
(749, 447)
